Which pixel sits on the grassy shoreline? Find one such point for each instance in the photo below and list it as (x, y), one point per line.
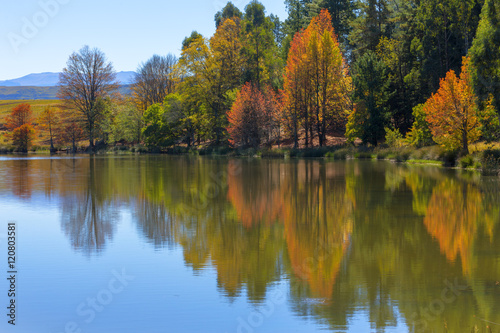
(483, 157)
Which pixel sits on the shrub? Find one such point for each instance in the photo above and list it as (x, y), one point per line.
(466, 161)
(490, 161)
(393, 138)
(339, 155)
(420, 135)
(363, 155)
(403, 156)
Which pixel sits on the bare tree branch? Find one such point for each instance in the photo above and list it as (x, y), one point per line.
(87, 78)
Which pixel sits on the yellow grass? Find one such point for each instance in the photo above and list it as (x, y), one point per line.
(36, 105)
(482, 146)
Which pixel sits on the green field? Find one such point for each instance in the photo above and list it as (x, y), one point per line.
(28, 93)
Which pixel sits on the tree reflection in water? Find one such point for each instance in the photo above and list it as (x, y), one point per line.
(88, 215)
(344, 236)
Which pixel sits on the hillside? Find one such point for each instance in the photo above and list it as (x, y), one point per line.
(39, 93)
(27, 93)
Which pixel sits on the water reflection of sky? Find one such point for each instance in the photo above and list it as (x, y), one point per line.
(382, 228)
(165, 295)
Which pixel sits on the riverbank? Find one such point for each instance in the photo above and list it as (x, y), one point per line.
(482, 157)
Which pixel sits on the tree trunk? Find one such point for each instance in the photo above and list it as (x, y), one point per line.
(91, 137)
(465, 144)
(51, 144)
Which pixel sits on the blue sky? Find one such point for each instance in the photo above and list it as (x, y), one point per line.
(39, 35)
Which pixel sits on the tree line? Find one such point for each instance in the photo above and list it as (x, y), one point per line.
(423, 71)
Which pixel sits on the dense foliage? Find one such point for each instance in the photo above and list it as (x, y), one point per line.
(336, 69)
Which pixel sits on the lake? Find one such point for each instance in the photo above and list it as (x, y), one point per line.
(199, 244)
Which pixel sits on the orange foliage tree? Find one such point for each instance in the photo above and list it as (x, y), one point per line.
(20, 115)
(23, 136)
(19, 122)
(452, 113)
(317, 84)
(254, 117)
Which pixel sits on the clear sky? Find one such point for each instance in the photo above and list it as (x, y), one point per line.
(39, 35)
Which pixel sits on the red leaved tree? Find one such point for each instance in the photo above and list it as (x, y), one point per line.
(20, 115)
(22, 137)
(254, 117)
(19, 122)
(73, 133)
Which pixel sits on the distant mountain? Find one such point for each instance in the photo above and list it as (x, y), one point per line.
(51, 80)
(34, 80)
(125, 78)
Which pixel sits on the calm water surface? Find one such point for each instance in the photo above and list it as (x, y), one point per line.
(164, 244)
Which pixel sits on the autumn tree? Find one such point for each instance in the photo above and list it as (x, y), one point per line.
(317, 83)
(273, 116)
(253, 117)
(194, 85)
(331, 84)
(452, 112)
(22, 137)
(294, 90)
(154, 80)
(245, 117)
(19, 122)
(86, 79)
(226, 64)
(211, 71)
(72, 133)
(49, 120)
(19, 116)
